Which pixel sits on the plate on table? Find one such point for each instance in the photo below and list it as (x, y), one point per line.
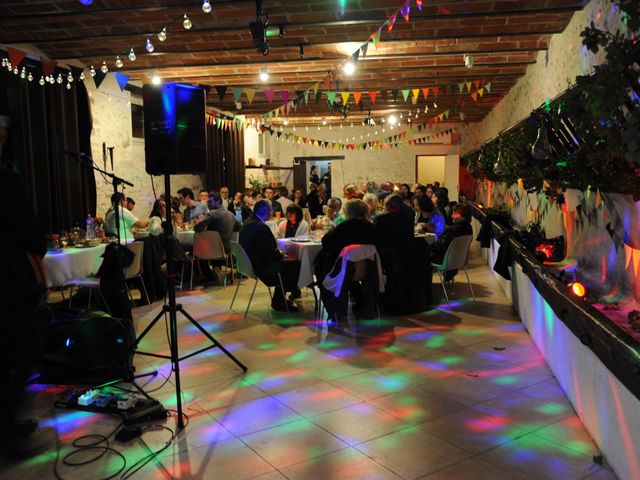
(301, 239)
(85, 245)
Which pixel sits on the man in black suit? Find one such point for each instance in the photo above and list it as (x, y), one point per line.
(258, 241)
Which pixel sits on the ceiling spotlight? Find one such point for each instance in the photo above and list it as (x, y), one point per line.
(468, 61)
(149, 46)
(349, 67)
(156, 80)
(301, 51)
(206, 6)
(186, 23)
(264, 75)
(393, 119)
(132, 55)
(162, 36)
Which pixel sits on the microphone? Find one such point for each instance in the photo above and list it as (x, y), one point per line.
(81, 155)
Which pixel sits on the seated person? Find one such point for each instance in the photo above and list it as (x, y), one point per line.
(276, 207)
(316, 200)
(429, 219)
(156, 217)
(460, 225)
(296, 225)
(355, 230)
(298, 197)
(441, 203)
(394, 227)
(267, 261)
(193, 209)
(371, 199)
(245, 211)
(127, 219)
(350, 192)
(203, 196)
(331, 215)
(131, 203)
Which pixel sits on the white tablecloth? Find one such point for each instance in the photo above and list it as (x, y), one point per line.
(306, 252)
(60, 268)
(273, 225)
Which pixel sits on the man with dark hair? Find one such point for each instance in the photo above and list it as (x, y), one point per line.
(203, 196)
(267, 193)
(126, 218)
(258, 241)
(131, 203)
(225, 200)
(192, 209)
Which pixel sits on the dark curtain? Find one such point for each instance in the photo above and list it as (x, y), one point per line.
(44, 121)
(225, 159)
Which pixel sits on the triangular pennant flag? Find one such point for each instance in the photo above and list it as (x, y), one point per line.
(436, 91)
(372, 96)
(345, 97)
(356, 97)
(250, 93)
(474, 96)
(363, 48)
(391, 22)
(425, 93)
(16, 56)
(636, 260)
(468, 86)
(285, 96)
(375, 37)
(269, 94)
(416, 93)
(405, 94)
(406, 10)
(477, 84)
(316, 86)
(222, 91)
(122, 80)
(481, 91)
(280, 110)
(394, 95)
(237, 93)
(306, 97)
(99, 78)
(441, 116)
(461, 87)
(332, 97)
(355, 55)
(446, 113)
(487, 87)
(49, 67)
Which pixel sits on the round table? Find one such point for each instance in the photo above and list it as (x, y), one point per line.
(62, 266)
(306, 252)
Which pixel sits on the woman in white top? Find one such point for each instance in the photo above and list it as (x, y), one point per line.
(295, 226)
(156, 217)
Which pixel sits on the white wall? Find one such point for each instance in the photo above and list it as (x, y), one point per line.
(111, 114)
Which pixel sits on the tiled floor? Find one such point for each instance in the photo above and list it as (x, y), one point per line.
(462, 393)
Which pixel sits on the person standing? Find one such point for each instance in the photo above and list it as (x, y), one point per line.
(313, 175)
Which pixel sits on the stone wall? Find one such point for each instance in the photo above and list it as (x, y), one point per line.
(111, 112)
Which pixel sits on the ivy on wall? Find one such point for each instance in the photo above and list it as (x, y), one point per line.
(589, 137)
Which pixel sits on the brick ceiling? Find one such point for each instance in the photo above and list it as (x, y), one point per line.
(503, 36)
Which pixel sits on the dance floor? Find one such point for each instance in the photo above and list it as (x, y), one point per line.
(462, 394)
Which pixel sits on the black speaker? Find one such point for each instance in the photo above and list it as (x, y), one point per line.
(175, 138)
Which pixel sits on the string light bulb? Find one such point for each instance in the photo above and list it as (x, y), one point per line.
(30, 77)
(149, 46)
(156, 80)
(59, 79)
(81, 75)
(206, 6)
(104, 68)
(23, 73)
(118, 62)
(41, 81)
(162, 36)
(68, 86)
(435, 105)
(69, 78)
(349, 67)
(52, 80)
(92, 71)
(132, 55)
(186, 23)
(15, 71)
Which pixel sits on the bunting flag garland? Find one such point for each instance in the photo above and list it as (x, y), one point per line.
(222, 91)
(364, 48)
(122, 80)
(474, 96)
(285, 96)
(391, 22)
(356, 97)
(487, 87)
(49, 67)
(416, 93)
(332, 97)
(405, 10)
(460, 87)
(16, 56)
(237, 93)
(345, 97)
(405, 94)
(269, 94)
(425, 92)
(251, 93)
(394, 95)
(99, 78)
(372, 96)
(436, 91)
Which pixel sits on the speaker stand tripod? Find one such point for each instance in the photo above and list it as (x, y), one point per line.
(172, 309)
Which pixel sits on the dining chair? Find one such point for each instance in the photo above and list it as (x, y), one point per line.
(244, 268)
(207, 245)
(455, 258)
(135, 270)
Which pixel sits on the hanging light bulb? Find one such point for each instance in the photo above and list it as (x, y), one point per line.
(132, 55)
(393, 119)
(81, 77)
(23, 73)
(59, 79)
(162, 36)
(104, 68)
(426, 109)
(68, 86)
(149, 46)
(15, 71)
(41, 81)
(92, 71)
(462, 116)
(69, 78)
(541, 149)
(52, 80)
(30, 77)
(286, 121)
(435, 105)
(186, 23)
(264, 74)
(156, 80)
(206, 6)
(9, 66)
(118, 62)
(349, 67)
(498, 167)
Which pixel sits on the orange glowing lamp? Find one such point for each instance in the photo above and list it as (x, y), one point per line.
(578, 289)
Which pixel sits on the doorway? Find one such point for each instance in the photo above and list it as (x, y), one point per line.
(443, 169)
(302, 170)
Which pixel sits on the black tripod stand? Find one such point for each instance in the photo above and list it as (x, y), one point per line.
(172, 308)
